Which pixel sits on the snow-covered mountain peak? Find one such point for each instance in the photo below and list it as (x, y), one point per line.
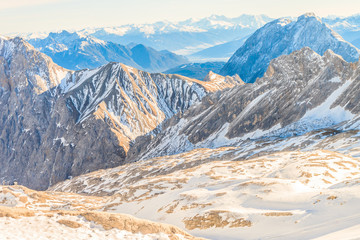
(87, 121)
(284, 36)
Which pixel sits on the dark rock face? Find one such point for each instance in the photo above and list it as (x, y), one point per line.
(281, 37)
(299, 93)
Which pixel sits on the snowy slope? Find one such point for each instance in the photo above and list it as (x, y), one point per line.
(297, 195)
(77, 51)
(283, 36)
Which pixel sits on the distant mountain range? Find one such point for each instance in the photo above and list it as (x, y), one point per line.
(77, 51)
(185, 37)
(283, 36)
(215, 38)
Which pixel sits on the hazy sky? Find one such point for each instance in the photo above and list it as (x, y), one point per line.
(48, 15)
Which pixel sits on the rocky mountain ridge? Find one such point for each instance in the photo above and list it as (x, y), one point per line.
(299, 93)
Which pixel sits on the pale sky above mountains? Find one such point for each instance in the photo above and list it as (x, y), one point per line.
(52, 15)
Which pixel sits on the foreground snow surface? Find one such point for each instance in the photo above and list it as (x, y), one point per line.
(283, 195)
(28, 214)
(43, 227)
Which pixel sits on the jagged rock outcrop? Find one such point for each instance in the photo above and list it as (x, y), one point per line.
(300, 92)
(283, 36)
(55, 123)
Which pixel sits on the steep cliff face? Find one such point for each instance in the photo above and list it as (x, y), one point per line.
(299, 93)
(283, 36)
(56, 123)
